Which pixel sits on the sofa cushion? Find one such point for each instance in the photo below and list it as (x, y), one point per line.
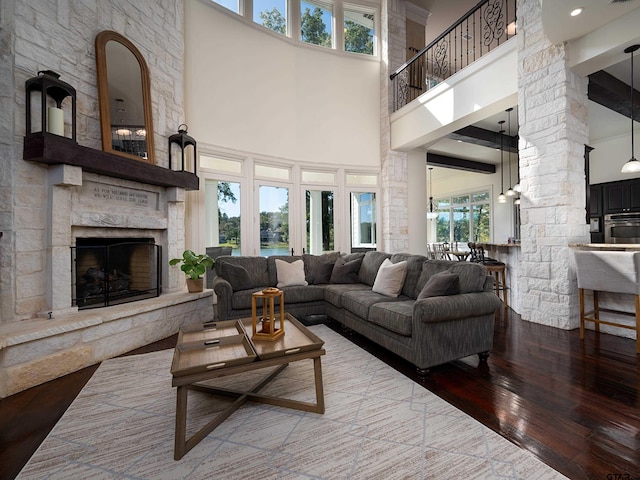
(333, 293)
(290, 274)
(301, 294)
(471, 275)
(440, 284)
(390, 278)
(345, 272)
(414, 269)
(359, 301)
(254, 265)
(318, 268)
(273, 270)
(394, 316)
(370, 265)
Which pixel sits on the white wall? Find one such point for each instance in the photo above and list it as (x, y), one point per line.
(418, 199)
(252, 90)
(608, 156)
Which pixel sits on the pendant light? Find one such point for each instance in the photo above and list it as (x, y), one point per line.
(633, 165)
(510, 191)
(431, 214)
(501, 198)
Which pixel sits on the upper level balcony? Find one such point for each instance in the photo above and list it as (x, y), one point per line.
(482, 29)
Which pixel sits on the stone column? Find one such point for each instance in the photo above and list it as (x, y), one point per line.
(394, 173)
(174, 278)
(552, 113)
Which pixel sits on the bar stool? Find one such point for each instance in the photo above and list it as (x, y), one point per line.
(494, 267)
(498, 270)
(602, 271)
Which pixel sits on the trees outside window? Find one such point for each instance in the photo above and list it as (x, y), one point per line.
(363, 219)
(464, 218)
(222, 211)
(271, 14)
(358, 31)
(319, 221)
(316, 21)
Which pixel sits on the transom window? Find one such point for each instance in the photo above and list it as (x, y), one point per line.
(271, 14)
(329, 23)
(358, 30)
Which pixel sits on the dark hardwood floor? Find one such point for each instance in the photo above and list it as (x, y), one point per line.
(573, 404)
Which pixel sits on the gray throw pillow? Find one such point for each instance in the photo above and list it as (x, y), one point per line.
(346, 272)
(318, 268)
(440, 284)
(237, 276)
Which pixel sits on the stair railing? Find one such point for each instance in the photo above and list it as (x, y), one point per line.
(489, 24)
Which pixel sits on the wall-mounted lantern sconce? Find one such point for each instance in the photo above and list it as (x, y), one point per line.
(182, 145)
(53, 108)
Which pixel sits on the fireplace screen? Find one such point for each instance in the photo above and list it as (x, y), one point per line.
(112, 271)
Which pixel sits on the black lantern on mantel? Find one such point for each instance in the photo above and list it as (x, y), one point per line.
(182, 144)
(53, 92)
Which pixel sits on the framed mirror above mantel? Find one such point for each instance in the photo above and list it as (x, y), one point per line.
(125, 99)
(137, 165)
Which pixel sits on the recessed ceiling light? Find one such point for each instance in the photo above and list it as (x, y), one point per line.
(576, 11)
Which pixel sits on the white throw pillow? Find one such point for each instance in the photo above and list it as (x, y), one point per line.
(390, 278)
(290, 274)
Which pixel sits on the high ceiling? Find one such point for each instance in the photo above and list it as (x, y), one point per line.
(559, 27)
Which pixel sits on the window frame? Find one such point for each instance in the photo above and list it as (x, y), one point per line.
(451, 207)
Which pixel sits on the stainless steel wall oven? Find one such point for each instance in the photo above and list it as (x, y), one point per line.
(622, 227)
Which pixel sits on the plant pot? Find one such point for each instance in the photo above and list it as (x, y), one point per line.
(196, 285)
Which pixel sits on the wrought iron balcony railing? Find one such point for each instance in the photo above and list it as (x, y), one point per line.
(489, 24)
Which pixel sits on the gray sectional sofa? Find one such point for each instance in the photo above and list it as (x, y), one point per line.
(444, 310)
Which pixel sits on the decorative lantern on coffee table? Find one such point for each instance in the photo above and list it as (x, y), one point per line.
(264, 327)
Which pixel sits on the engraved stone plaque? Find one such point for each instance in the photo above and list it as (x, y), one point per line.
(115, 195)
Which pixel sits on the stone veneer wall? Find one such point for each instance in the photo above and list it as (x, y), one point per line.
(44, 209)
(60, 36)
(395, 171)
(552, 113)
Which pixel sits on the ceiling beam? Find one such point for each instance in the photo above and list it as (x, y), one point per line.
(434, 159)
(485, 138)
(612, 93)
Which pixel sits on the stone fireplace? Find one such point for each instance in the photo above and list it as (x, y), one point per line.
(56, 192)
(108, 244)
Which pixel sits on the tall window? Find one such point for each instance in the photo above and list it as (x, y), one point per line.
(316, 22)
(358, 30)
(320, 221)
(363, 219)
(464, 218)
(274, 220)
(222, 210)
(272, 14)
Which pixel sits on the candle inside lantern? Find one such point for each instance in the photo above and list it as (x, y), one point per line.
(55, 121)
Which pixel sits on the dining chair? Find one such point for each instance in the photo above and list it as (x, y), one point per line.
(439, 252)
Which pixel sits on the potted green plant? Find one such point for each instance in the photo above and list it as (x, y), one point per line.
(194, 266)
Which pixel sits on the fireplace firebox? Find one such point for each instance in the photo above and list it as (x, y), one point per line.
(111, 271)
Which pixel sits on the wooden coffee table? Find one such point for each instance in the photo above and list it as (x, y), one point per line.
(217, 349)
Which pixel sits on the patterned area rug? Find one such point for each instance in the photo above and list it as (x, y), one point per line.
(378, 425)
